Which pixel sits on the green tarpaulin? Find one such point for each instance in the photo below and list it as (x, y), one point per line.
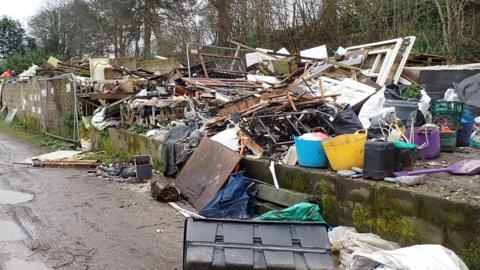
(296, 212)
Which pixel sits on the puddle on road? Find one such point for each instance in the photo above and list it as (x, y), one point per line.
(9, 231)
(17, 264)
(14, 197)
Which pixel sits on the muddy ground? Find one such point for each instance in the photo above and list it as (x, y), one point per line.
(77, 221)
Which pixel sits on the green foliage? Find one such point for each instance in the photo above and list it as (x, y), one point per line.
(22, 61)
(411, 91)
(11, 37)
(67, 119)
(24, 131)
(136, 129)
(443, 27)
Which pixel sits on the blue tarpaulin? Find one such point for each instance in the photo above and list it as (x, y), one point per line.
(235, 200)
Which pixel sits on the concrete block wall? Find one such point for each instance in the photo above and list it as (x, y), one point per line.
(37, 101)
(27, 99)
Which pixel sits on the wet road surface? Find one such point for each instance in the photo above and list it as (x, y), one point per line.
(58, 218)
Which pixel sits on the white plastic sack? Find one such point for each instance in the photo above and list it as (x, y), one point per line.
(347, 241)
(373, 108)
(99, 116)
(99, 121)
(419, 257)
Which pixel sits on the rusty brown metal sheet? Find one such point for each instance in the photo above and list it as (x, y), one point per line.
(206, 171)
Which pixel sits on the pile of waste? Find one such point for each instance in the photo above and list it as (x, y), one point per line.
(369, 111)
(382, 100)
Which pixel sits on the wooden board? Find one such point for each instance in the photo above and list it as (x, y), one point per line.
(206, 172)
(282, 196)
(116, 96)
(238, 106)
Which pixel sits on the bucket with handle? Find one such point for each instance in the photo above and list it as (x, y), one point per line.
(346, 151)
(310, 153)
(427, 138)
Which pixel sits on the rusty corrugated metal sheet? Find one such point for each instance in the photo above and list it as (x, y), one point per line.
(206, 171)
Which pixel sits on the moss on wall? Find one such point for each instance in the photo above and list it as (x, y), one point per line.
(386, 221)
(398, 214)
(32, 123)
(327, 201)
(471, 255)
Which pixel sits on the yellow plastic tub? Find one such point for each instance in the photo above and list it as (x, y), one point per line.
(346, 151)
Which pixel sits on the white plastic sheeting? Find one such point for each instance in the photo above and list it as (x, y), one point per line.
(373, 107)
(347, 241)
(99, 121)
(419, 257)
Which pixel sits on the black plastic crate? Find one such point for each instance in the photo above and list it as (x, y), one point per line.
(239, 244)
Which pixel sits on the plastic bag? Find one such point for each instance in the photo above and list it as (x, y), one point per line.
(450, 95)
(392, 91)
(235, 200)
(346, 122)
(468, 90)
(467, 117)
(296, 212)
(373, 108)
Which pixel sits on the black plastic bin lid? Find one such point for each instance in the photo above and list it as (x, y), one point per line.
(238, 244)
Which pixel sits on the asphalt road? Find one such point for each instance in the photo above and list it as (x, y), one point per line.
(77, 221)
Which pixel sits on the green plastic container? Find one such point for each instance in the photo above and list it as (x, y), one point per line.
(447, 113)
(448, 141)
(405, 156)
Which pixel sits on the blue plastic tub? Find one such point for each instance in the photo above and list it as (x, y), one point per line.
(310, 153)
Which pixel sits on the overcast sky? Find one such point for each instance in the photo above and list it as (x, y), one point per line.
(20, 10)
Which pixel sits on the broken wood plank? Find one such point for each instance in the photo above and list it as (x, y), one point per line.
(116, 96)
(65, 163)
(238, 106)
(282, 196)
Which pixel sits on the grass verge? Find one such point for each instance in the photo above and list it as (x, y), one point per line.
(19, 131)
